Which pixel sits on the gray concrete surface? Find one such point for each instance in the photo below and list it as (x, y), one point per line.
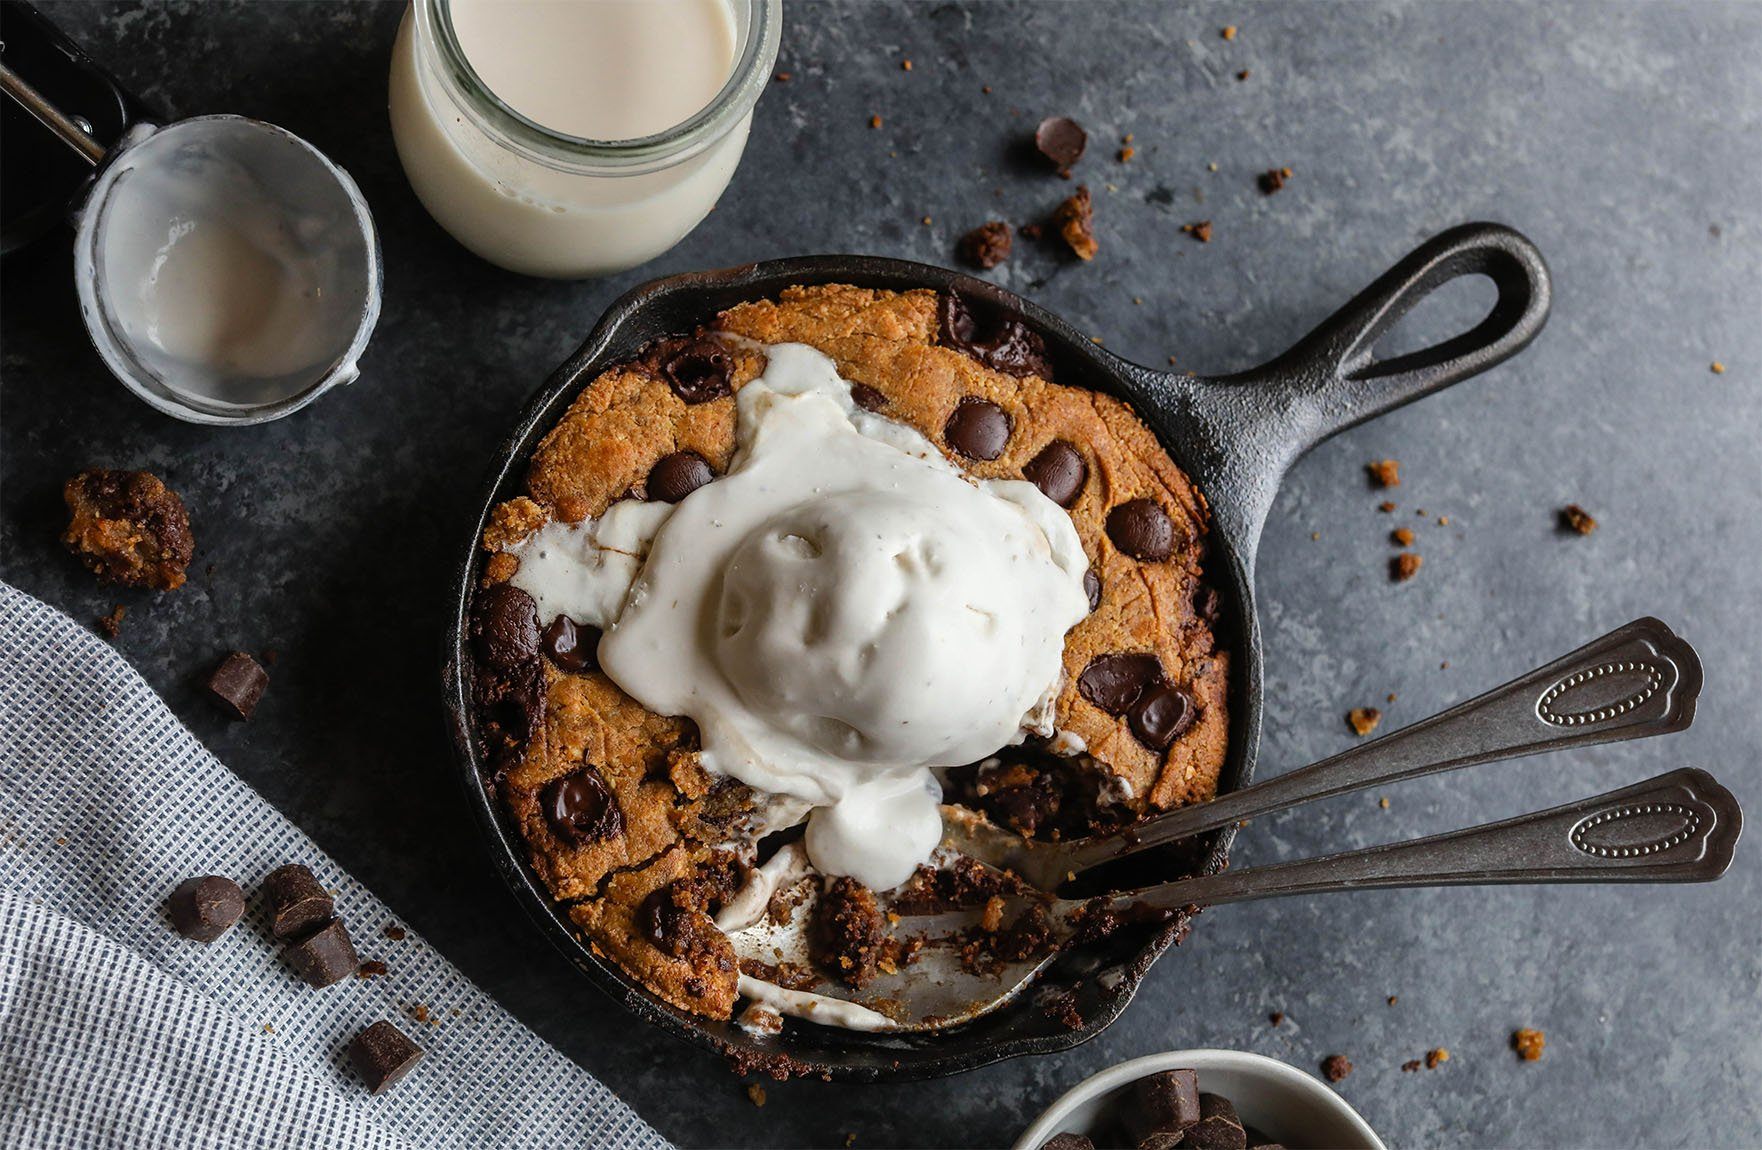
(1626, 140)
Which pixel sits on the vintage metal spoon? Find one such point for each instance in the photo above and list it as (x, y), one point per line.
(1635, 682)
(1678, 827)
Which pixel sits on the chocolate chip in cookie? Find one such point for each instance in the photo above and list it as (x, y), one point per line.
(1007, 345)
(504, 627)
(1092, 588)
(582, 809)
(978, 429)
(868, 398)
(128, 527)
(1059, 471)
(570, 645)
(699, 371)
(1160, 716)
(1142, 529)
(675, 476)
(1114, 682)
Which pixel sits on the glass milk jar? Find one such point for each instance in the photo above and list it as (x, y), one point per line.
(571, 138)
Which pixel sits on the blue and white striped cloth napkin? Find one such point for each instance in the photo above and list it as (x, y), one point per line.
(117, 1032)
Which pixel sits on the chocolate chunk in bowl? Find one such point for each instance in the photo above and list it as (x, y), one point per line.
(1233, 450)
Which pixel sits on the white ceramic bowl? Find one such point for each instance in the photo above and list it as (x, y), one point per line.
(1296, 1108)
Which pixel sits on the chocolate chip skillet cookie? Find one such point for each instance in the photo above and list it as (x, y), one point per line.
(664, 827)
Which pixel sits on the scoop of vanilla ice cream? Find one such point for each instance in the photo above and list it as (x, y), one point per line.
(894, 627)
(840, 612)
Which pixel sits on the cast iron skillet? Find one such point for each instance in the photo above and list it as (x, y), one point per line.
(1235, 436)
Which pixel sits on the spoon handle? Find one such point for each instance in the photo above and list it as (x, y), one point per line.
(1679, 827)
(50, 116)
(1637, 681)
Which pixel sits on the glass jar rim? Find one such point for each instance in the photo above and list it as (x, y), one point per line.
(747, 78)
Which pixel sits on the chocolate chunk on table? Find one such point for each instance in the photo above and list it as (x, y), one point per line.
(1061, 140)
(382, 1054)
(325, 956)
(1166, 1102)
(204, 908)
(296, 901)
(238, 684)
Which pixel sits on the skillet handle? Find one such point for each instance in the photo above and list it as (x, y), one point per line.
(1239, 433)
(1335, 365)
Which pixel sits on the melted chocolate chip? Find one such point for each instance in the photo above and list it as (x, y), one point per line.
(675, 476)
(1008, 346)
(1061, 140)
(978, 429)
(1160, 715)
(504, 627)
(1141, 528)
(699, 371)
(1059, 471)
(571, 646)
(1114, 682)
(1092, 588)
(582, 809)
(867, 398)
(660, 920)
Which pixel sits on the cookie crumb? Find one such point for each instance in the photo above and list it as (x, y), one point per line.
(370, 968)
(987, 245)
(1405, 566)
(905, 65)
(1385, 473)
(111, 624)
(1229, 32)
(1393, 999)
(1211, 167)
(755, 1091)
(419, 1012)
(782, 77)
(127, 527)
(1363, 720)
(1200, 231)
(1391, 696)
(1273, 180)
(1384, 803)
(1243, 74)
(1717, 368)
(1443, 521)
(1411, 1065)
(1277, 1018)
(1401, 537)
(1576, 518)
(1387, 506)
(1126, 154)
(1076, 223)
(393, 932)
(874, 121)
(1435, 1058)
(268, 1029)
(1528, 1043)
(1336, 1067)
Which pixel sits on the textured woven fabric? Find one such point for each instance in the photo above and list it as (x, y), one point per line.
(116, 1031)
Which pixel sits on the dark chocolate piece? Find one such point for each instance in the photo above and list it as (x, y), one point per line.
(325, 956)
(382, 1054)
(504, 627)
(204, 908)
(570, 645)
(1059, 471)
(1166, 1102)
(1160, 716)
(1065, 1140)
(1061, 140)
(1260, 1139)
(1007, 346)
(1092, 588)
(868, 398)
(1218, 1127)
(238, 684)
(700, 371)
(582, 809)
(295, 901)
(1141, 528)
(1114, 682)
(978, 429)
(987, 245)
(675, 476)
